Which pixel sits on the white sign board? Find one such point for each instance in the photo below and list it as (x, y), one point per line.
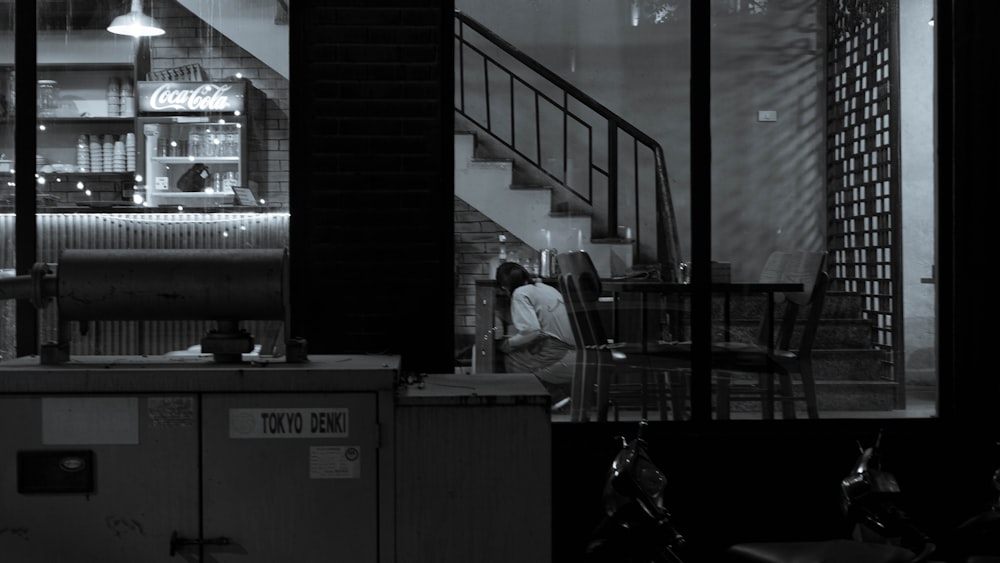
(289, 423)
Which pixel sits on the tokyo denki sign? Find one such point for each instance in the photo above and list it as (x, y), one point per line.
(191, 97)
(289, 423)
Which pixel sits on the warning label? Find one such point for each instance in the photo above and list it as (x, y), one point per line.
(334, 462)
(289, 423)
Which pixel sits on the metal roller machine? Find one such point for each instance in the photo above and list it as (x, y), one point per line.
(225, 286)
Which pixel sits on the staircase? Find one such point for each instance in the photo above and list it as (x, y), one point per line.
(501, 171)
(528, 208)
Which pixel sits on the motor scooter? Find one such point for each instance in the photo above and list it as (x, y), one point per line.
(637, 526)
(976, 539)
(881, 529)
(871, 500)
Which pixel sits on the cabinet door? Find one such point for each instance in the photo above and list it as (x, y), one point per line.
(145, 480)
(290, 477)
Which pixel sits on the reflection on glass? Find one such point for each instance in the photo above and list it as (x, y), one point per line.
(214, 86)
(7, 108)
(781, 181)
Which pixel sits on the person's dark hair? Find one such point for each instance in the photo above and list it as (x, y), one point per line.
(511, 275)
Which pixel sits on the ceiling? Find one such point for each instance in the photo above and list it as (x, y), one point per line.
(258, 26)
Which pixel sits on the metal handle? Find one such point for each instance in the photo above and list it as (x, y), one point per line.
(177, 541)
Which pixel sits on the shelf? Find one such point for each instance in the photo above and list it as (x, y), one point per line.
(90, 175)
(93, 119)
(79, 48)
(193, 159)
(9, 120)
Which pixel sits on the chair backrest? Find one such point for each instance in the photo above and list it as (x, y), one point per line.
(795, 267)
(572, 310)
(580, 285)
(579, 262)
(789, 320)
(815, 304)
(790, 267)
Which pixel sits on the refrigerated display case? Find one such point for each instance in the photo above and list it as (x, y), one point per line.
(198, 139)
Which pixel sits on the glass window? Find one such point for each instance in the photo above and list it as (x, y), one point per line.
(161, 124)
(7, 100)
(821, 162)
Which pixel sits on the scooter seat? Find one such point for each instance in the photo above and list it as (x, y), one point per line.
(829, 551)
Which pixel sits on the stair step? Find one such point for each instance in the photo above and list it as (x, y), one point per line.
(831, 333)
(850, 365)
(491, 162)
(844, 305)
(836, 396)
(856, 395)
(836, 306)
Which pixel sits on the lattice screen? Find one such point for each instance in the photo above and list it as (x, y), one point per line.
(863, 161)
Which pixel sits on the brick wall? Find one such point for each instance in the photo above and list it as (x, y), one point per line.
(476, 243)
(192, 41)
(371, 173)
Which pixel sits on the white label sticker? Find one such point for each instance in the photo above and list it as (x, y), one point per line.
(334, 462)
(171, 412)
(288, 423)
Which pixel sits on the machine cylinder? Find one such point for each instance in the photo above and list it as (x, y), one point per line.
(205, 284)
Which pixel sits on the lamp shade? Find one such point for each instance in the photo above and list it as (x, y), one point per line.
(135, 23)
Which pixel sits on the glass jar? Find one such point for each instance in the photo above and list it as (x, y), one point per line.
(48, 97)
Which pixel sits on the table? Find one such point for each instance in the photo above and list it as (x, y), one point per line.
(489, 319)
(644, 287)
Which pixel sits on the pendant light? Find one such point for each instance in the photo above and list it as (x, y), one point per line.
(135, 23)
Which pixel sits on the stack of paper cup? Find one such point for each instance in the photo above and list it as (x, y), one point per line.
(114, 97)
(118, 157)
(109, 153)
(130, 152)
(127, 100)
(96, 154)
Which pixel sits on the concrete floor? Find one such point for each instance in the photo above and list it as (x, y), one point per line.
(920, 403)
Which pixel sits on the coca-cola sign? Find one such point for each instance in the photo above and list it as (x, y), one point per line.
(191, 97)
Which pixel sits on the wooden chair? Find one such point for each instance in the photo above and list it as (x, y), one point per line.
(781, 361)
(603, 365)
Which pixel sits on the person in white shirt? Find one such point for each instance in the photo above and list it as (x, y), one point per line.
(543, 341)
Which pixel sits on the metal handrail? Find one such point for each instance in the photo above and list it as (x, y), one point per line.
(665, 250)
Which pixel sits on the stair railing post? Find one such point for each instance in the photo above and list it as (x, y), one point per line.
(612, 215)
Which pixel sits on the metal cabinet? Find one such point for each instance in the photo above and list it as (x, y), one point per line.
(290, 477)
(139, 484)
(237, 464)
(475, 468)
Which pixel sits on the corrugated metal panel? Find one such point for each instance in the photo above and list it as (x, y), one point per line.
(57, 232)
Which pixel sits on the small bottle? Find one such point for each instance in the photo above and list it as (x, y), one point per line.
(499, 258)
(217, 182)
(232, 144)
(531, 264)
(208, 143)
(194, 143)
(229, 182)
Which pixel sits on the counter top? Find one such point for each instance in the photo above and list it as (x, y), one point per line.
(476, 389)
(138, 374)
